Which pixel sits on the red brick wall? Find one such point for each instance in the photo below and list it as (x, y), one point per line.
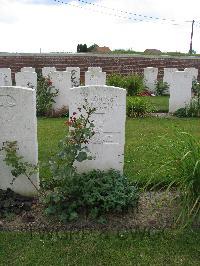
(123, 64)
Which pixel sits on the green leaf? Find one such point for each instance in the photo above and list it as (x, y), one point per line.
(73, 216)
(50, 210)
(82, 156)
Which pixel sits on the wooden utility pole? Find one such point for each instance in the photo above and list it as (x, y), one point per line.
(190, 51)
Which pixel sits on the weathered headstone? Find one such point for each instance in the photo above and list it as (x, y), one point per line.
(150, 78)
(180, 90)
(75, 75)
(18, 123)
(5, 77)
(61, 80)
(2, 81)
(26, 79)
(107, 145)
(168, 76)
(193, 71)
(95, 77)
(27, 69)
(47, 70)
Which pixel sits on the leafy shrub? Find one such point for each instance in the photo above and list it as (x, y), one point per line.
(161, 87)
(96, 193)
(181, 112)
(45, 96)
(116, 80)
(138, 107)
(191, 110)
(132, 83)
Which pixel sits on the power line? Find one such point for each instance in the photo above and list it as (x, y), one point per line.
(126, 12)
(128, 16)
(110, 14)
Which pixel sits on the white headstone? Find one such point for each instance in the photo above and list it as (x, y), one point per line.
(180, 90)
(47, 70)
(61, 80)
(18, 123)
(95, 78)
(75, 75)
(107, 145)
(168, 76)
(26, 79)
(193, 71)
(27, 69)
(150, 77)
(2, 81)
(5, 77)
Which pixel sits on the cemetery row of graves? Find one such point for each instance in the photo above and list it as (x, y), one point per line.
(87, 169)
(176, 83)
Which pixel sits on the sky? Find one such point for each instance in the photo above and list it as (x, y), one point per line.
(31, 25)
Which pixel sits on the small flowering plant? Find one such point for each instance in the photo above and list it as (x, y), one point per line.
(64, 175)
(74, 146)
(17, 163)
(46, 93)
(81, 130)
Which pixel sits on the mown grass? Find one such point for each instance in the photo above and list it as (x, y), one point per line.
(147, 148)
(94, 248)
(146, 144)
(161, 103)
(145, 151)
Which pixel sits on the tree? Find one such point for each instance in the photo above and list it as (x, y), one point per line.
(92, 47)
(78, 48)
(84, 48)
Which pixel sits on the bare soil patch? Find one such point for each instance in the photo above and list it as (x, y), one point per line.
(156, 210)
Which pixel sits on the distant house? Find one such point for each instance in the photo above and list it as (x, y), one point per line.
(102, 50)
(152, 52)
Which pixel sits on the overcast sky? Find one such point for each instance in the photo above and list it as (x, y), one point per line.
(28, 25)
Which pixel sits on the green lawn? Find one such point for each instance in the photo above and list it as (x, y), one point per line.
(161, 103)
(145, 151)
(147, 148)
(168, 248)
(146, 143)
